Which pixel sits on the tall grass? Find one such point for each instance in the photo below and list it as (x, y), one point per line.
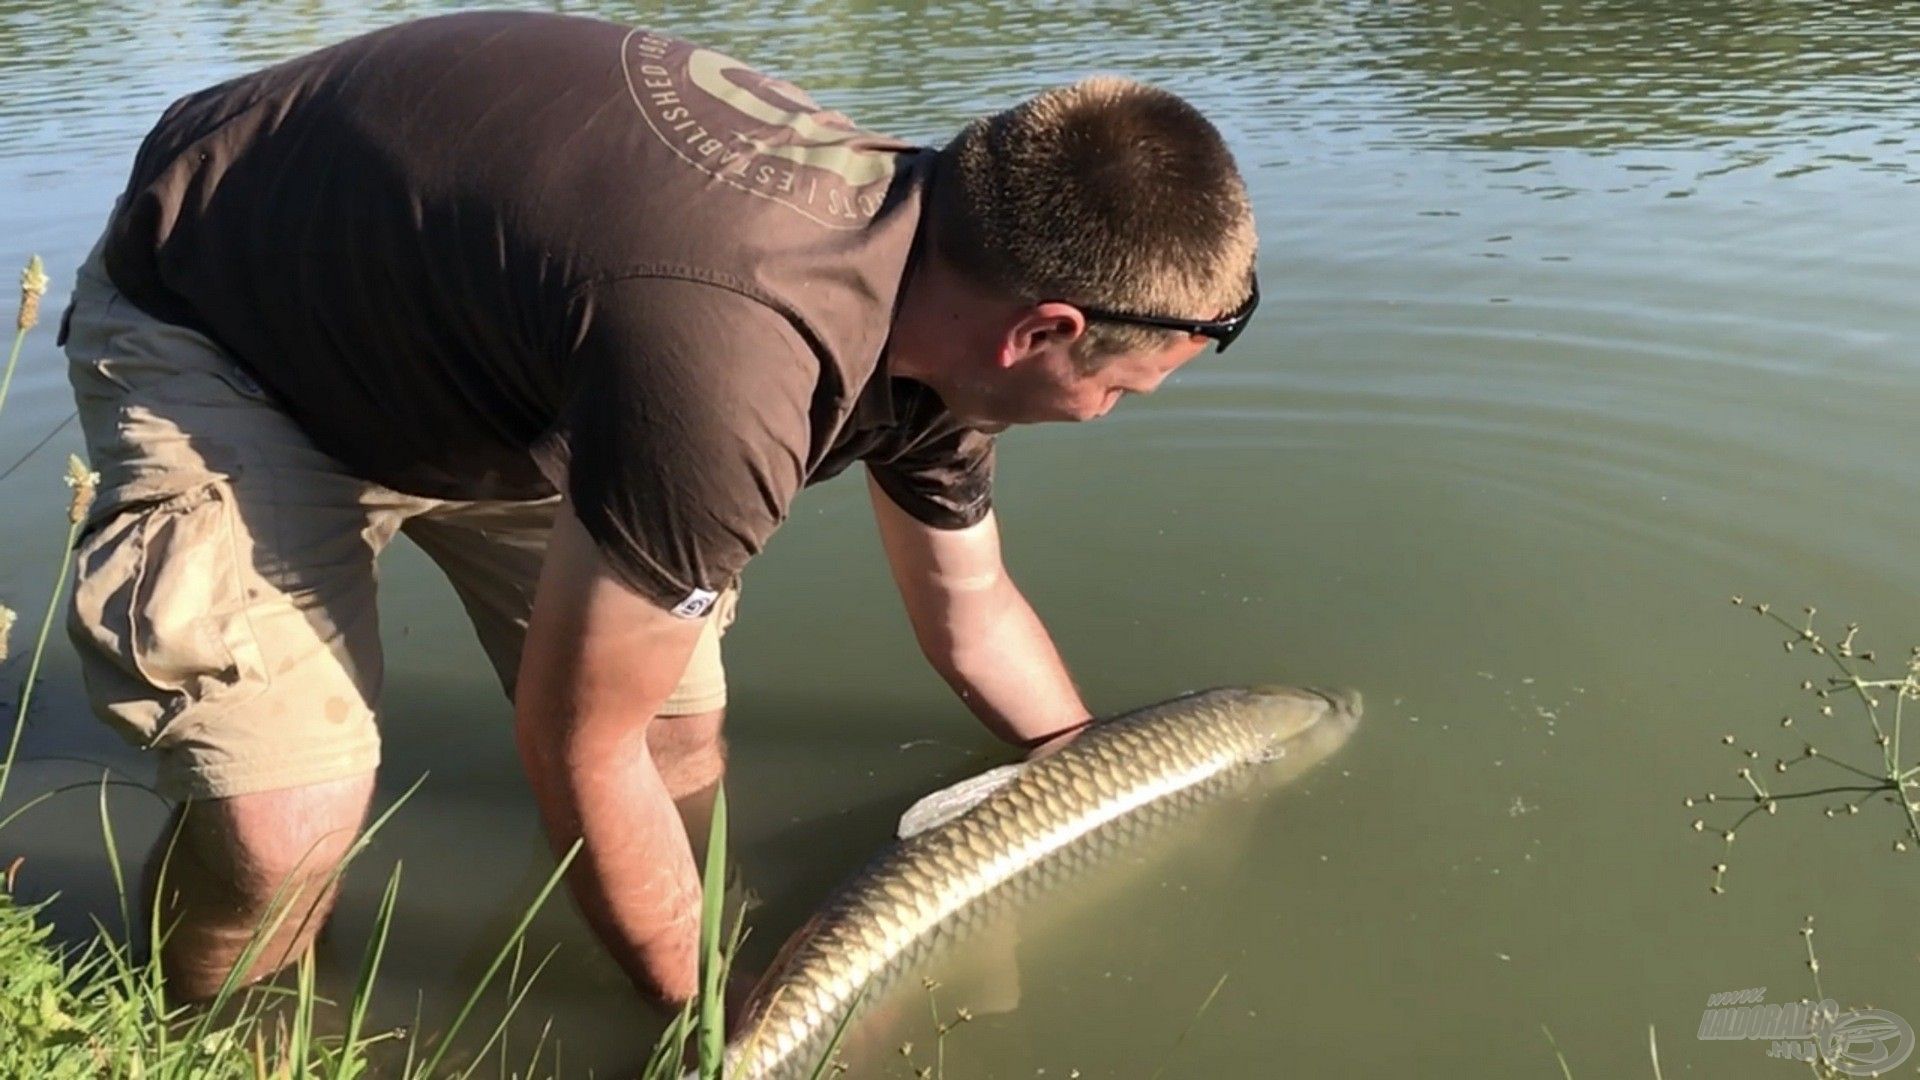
(100, 1011)
(33, 287)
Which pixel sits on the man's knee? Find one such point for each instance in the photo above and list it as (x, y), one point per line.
(689, 751)
(259, 843)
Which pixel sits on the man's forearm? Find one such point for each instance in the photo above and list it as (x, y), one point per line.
(599, 661)
(634, 878)
(976, 629)
(996, 654)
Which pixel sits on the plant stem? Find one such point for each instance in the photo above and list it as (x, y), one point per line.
(710, 1014)
(1198, 1013)
(519, 934)
(1854, 769)
(1565, 1069)
(1878, 785)
(39, 649)
(1852, 680)
(13, 359)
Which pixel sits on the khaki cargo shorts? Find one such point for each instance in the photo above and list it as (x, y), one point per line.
(223, 605)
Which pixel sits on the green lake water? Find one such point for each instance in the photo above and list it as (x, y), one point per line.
(1579, 318)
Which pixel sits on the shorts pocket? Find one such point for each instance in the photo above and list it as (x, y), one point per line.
(160, 615)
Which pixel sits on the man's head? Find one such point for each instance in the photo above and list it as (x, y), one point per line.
(1061, 230)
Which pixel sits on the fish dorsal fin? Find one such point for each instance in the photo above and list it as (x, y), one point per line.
(950, 802)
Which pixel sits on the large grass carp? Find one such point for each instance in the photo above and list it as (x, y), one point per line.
(986, 843)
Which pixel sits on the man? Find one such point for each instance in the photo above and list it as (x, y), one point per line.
(579, 309)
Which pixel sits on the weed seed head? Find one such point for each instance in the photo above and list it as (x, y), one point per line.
(84, 482)
(33, 286)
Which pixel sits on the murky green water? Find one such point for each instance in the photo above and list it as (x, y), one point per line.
(1580, 317)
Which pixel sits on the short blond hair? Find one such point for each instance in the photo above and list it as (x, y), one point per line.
(1108, 193)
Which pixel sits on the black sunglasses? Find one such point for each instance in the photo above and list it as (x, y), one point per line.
(1223, 331)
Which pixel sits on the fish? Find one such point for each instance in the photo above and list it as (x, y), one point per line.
(992, 842)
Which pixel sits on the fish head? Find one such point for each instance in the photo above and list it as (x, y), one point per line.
(1299, 726)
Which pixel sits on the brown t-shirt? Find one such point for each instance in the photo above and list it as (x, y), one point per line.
(482, 256)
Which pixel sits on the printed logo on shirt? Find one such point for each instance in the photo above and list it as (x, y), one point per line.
(696, 603)
(757, 133)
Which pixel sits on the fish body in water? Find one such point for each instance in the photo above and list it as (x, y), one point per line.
(987, 843)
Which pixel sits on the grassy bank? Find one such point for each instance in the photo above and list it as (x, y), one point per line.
(99, 1011)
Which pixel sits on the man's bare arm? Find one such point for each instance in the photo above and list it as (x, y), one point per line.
(599, 662)
(975, 627)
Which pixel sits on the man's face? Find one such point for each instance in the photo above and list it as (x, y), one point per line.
(1043, 383)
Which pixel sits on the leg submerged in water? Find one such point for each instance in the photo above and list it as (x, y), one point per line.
(691, 755)
(228, 871)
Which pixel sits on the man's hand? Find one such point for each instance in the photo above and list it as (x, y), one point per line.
(975, 628)
(599, 662)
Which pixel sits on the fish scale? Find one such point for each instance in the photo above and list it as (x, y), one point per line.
(1060, 816)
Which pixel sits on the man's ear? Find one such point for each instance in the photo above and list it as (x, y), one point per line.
(1038, 328)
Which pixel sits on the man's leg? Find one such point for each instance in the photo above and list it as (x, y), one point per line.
(223, 613)
(260, 867)
(690, 753)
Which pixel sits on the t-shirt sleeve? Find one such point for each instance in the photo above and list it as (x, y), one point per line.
(941, 473)
(682, 438)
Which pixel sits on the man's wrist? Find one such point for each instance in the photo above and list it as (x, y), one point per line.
(1060, 735)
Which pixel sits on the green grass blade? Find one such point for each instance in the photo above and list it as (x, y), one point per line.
(300, 1048)
(513, 987)
(664, 1063)
(82, 785)
(499, 958)
(350, 1050)
(1565, 1069)
(13, 361)
(713, 961)
(513, 1006)
(1188, 1030)
(839, 1033)
(154, 985)
(539, 1048)
(33, 665)
(113, 859)
(33, 802)
(413, 1035)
